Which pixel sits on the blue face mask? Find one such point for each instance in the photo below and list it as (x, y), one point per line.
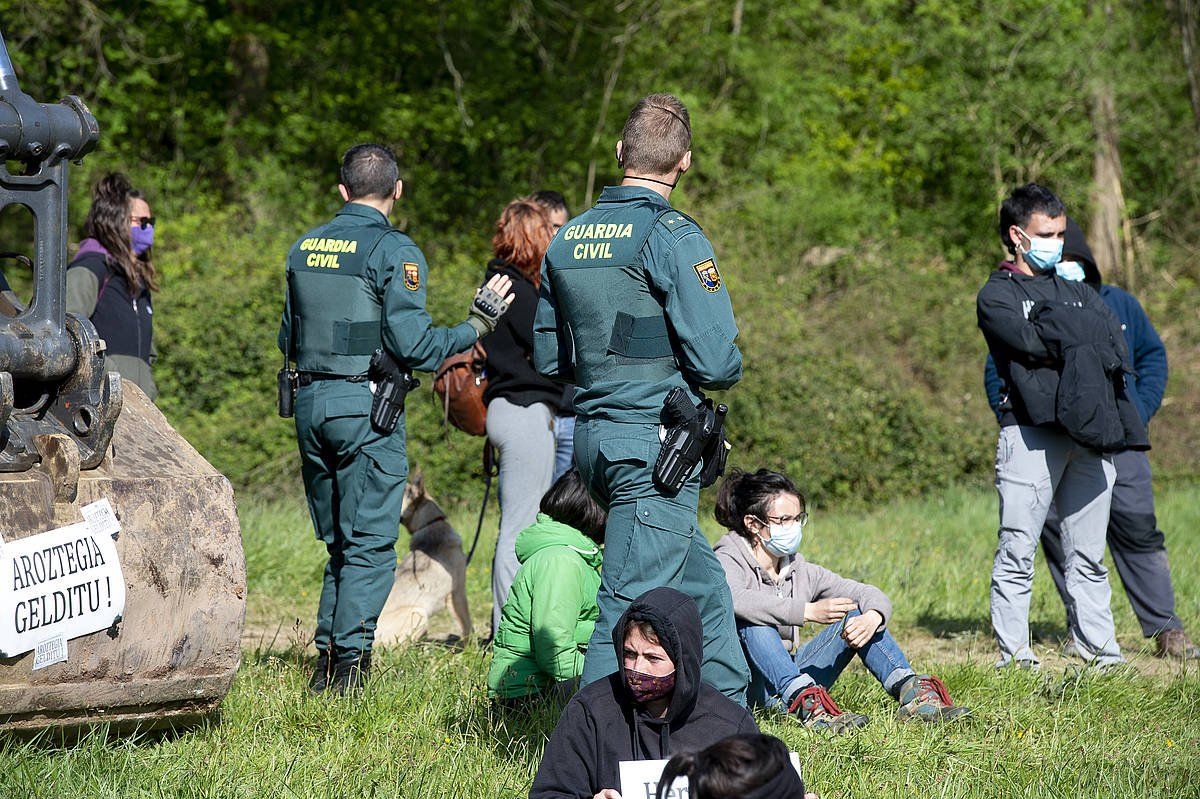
(785, 539)
(1069, 270)
(143, 238)
(1043, 254)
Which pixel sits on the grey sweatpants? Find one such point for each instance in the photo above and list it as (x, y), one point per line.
(524, 441)
(1036, 466)
(1137, 545)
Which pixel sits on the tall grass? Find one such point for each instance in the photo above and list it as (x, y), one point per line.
(426, 729)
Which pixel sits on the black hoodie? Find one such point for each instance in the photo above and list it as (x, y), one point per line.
(601, 726)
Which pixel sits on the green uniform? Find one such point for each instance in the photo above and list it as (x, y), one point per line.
(632, 305)
(355, 284)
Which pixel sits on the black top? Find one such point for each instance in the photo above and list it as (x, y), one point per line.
(126, 323)
(509, 348)
(602, 726)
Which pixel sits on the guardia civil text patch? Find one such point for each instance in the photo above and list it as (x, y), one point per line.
(709, 277)
(412, 276)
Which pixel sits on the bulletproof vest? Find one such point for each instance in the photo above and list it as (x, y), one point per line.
(335, 310)
(617, 325)
(125, 323)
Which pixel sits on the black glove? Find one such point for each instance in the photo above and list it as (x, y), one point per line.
(486, 309)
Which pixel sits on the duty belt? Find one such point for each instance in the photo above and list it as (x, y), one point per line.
(308, 378)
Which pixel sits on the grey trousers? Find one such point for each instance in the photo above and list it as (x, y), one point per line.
(1136, 544)
(1036, 467)
(524, 441)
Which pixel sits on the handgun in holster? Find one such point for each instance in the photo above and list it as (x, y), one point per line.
(694, 433)
(392, 384)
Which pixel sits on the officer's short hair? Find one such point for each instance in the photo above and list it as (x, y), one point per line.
(656, 135)
(1020, 206)
(369, 172)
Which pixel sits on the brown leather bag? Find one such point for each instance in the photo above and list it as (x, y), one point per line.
(458, 385)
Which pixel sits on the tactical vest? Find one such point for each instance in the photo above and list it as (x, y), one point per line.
(618, 327)
(336, 312)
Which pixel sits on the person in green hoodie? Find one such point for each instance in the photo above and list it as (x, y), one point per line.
(551, 608)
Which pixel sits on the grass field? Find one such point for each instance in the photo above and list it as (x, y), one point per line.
(425, 728)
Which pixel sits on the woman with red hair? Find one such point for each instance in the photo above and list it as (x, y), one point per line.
(521, 404)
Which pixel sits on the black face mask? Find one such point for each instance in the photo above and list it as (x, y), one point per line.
(653, 180)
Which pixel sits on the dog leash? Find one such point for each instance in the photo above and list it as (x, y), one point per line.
(490, 470)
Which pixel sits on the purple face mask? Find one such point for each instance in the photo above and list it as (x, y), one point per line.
(647, 687)
(143, 238)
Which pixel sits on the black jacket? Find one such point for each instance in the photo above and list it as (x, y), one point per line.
(601, 726)
(509, 348)
(125, 322)
(1030, 367)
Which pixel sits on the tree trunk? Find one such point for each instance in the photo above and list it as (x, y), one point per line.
(1188, 20)
(1110, 237)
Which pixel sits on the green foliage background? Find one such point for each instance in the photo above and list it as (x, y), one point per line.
(849, 157)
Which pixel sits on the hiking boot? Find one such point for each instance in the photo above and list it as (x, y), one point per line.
(1175, 644)
(817, 711)
(924, 697)
(350, 674)
(319, 680)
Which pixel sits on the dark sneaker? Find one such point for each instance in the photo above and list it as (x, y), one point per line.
(817, 711)
(319, 680)
(1175, 644)
(925, 697)
(350, 674)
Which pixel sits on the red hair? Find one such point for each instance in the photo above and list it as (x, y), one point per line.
(523, 232)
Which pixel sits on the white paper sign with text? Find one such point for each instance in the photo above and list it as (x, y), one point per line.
(59, 585)
(639, 779)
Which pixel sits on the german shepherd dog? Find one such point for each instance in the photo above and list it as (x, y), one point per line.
(432, 574)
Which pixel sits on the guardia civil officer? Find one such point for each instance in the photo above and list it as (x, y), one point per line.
(356, 284)
(632, 305)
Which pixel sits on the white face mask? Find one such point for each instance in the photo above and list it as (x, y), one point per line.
(785, 538)
(1069, 270)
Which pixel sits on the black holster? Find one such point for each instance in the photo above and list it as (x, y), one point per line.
(694, 433)
(288, 378)
(392, 384)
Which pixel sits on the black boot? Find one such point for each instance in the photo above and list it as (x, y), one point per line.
(319, 680)
(350, 674)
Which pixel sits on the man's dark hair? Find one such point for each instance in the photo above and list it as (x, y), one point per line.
(656, 135)
(551, 200)
(735, 767)
(569, 502)
(369, 172)
(1022, 204)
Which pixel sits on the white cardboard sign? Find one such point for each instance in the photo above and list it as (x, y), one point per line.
(639, 779)
(60, 585)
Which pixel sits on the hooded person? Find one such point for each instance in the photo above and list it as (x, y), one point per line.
(1137, 545)
(653, 707)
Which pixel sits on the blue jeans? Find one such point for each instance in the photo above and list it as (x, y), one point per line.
(777, 676)
(564, 445)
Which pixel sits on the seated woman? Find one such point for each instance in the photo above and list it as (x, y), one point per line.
(775, 591)
(738, 767)
(551, 609)
(653, 707)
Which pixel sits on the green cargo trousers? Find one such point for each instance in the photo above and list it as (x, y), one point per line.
(354, 478)
(653, 540)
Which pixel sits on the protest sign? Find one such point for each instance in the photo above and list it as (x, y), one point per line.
(60, 585)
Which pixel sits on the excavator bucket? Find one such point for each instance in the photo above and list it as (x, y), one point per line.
(122, 577)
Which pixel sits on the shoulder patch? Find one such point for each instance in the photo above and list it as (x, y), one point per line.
(706, 272)
(412, 276)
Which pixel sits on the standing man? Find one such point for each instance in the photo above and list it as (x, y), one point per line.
(632, 305)
(1137, 545)
(1054, 343)
(356, 284)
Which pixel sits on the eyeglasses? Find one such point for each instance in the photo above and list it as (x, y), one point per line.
(142, 221)
(801, 517)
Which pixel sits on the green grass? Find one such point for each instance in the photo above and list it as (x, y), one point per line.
(426, 729)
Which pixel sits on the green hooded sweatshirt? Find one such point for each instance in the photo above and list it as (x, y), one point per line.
(550, 613)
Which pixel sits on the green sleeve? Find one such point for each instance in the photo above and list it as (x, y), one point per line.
(408, 331)
(700, 315)
(551, 343)
(83, 289)
(557, 579)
